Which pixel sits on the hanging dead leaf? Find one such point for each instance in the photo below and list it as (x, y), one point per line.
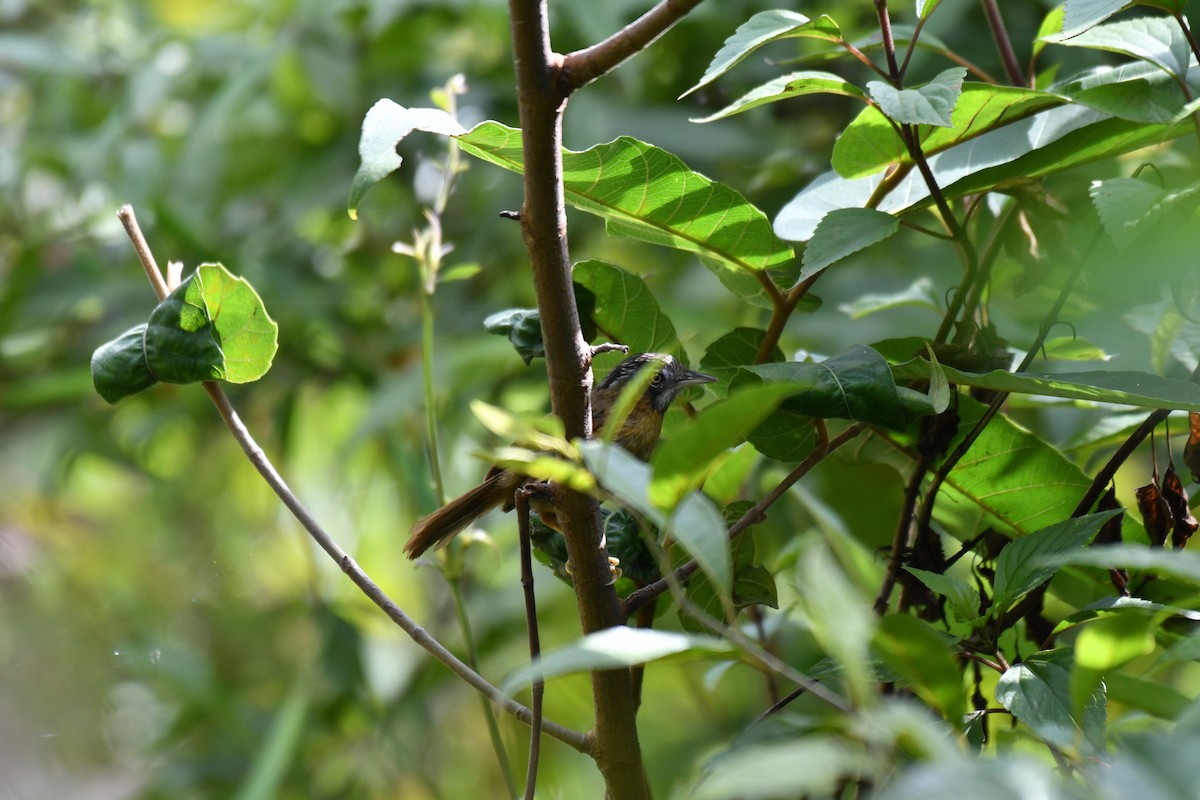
(1156, 514)
(1177, 500)
(1191, 450)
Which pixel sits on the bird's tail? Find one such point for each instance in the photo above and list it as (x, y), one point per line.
(442, 525)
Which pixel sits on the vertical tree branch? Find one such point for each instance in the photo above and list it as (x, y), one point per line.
(542, 94)
(1003, 43)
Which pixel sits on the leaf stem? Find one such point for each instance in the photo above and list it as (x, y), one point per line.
(1003, 43)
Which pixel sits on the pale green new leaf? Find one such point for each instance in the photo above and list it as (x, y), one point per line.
(614, 648)
(1156, 40)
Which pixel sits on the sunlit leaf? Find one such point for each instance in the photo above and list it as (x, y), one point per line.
(613, 648)
(625, 309)
(385, 124)
(1037, 692)
(762, 28)
(786, 87)
(930, 104)
(924, 658)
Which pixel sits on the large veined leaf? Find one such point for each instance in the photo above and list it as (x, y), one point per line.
(1127, 388)
(844, 232)
(646, 193)
(625, 309)
(762, 28)
(870, 144)
(641, 192)
(213, 326)
(1079, 15)
(1009, 480)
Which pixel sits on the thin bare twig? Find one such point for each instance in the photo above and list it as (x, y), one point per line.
(579, 741)
(538, 689)
(583, 66)
(1003, 43)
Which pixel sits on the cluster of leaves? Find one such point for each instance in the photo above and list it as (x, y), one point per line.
(941, 150)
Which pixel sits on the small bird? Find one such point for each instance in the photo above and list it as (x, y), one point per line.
(639, 434)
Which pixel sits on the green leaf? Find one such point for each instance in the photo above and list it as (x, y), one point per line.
(523, 327)
(625, 309)
(1155, 40)
(762, 28)
(213, 326)
(939, 385)
(752, 583)
(732, 351)
(385, 124)
(931, 104)
(1114, 640)
(919, 294)
(1179, 564)
(645, 193)
(869, 144)
(811, 766)
(1125, 388)
(681, 463)
(1128, 207)
(1037, 692)
(1152, 697)
(119, 367)
(1043, 144)
(1138, 100)
(695, 523)
(844, 232)
(926, 7)
(786, 87)
(963, 597)
(839, 617)
(1022, 565)
(614, 648)
(856, 385)
(924, 658)
(1079, 15)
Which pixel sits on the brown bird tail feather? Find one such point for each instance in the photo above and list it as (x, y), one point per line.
(445, 523)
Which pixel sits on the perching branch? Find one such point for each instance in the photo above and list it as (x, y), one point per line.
(542, 93)
(579, 741)
(584, 66)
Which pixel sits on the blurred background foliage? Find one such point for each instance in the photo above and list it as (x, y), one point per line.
(167, 630)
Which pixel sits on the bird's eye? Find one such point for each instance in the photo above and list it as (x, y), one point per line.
(657, 380)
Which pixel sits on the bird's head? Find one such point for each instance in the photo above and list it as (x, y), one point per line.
(670, 377)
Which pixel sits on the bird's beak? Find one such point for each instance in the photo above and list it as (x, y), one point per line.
(692, 378)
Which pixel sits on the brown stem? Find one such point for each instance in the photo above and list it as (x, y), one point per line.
(889, 43)
(542, 92)
(901, 538)
(584, 66)
(1003, 43)
(538, 689)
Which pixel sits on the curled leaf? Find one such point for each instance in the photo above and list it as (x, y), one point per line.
(1191, 450)
(1177, 500)
(1156, 514)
